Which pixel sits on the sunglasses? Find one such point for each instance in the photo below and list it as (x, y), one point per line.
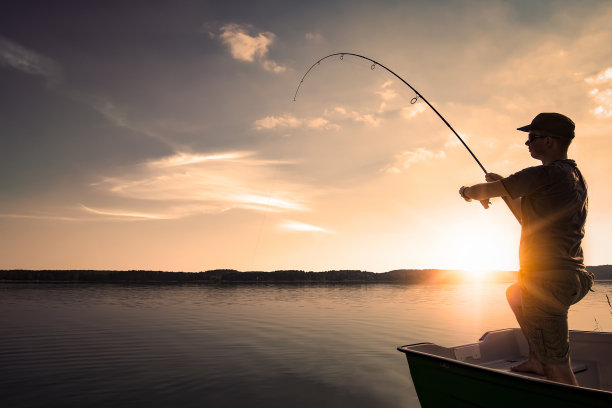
(533, 137)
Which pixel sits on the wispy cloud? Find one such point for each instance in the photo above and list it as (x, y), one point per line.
(602, 77)
(185, 159)
(110, 111)
(314, 37)
(367, 118)
(325, 122)
(453, 141)
(302, 227)
(288, 121)
(127, 214)
(119, 116)
(28, 61)
(31, 62)
(330, 117)
(409, 112)
(386, 92)
(602, 95)
(185, 184)
(39, 217)
(250, 47)
(283, 121)
(406, 159)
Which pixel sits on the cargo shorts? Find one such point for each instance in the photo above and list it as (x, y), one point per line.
(546, 297)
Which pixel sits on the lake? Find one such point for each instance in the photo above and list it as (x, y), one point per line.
(107, 345)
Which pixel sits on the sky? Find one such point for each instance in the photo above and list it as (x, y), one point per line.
(165, 135)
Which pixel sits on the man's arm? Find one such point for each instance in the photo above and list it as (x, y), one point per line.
(483, 191)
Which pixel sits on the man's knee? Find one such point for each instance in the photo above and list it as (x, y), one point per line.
(513, 295)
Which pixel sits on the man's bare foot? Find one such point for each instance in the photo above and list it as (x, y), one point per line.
(529, 366)
(561, 373)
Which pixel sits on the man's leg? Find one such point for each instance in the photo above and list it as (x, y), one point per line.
(558, 372)
(546, 298)
(533, 364)
(561, 373)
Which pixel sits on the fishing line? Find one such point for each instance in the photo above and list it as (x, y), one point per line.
(374, 65)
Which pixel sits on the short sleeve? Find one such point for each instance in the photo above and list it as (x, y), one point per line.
(527, 181)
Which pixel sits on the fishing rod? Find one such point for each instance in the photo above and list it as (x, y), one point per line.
(412, 101)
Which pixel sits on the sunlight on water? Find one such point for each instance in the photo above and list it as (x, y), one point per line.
(239, 345)
(477, 275)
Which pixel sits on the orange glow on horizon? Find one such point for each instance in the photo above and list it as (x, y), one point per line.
(478, 275)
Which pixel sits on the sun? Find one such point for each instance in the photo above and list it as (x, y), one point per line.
(478, 245)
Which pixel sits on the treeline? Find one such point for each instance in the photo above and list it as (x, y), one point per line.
(234, 276)
(603, 272)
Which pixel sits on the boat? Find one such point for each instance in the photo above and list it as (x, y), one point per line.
(479, 375)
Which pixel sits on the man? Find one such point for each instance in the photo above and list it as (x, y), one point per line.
(550, 202)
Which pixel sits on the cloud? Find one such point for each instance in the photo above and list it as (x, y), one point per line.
(118, 213)
(406, 159)
(387, 93)
(38, 217)
(409, 112)
(314, 37)
(604, 99)
(28, 61)
(185, 159)
(118, 116)
(602, 96)
(111, 112)
(273, 66)
(250, 48)
(319, 123)
(366, 118)
(272, 122)
(453, 141)
(185, 184)
(302, 227)
(390, 104)
(22, 59)
(603, 77)
(287, 121)
(340, 113)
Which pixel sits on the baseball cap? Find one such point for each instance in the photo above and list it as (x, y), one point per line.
(554, 123)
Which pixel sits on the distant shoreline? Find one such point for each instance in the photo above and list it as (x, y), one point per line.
(601, 272)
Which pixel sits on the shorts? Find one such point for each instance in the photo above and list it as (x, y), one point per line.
(546, 297)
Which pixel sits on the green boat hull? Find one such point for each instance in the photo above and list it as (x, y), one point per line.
(443, 382)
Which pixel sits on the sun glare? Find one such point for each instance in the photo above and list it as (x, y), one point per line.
(477, 275)
(479, 246)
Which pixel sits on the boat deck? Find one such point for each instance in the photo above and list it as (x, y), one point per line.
(578, 367)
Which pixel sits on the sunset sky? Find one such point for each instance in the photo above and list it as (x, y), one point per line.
(164, 135)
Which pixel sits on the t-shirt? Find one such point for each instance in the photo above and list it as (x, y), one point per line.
(554, 208)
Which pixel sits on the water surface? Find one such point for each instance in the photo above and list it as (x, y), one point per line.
(102, 345)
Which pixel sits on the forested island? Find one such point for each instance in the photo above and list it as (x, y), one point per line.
(602, 272)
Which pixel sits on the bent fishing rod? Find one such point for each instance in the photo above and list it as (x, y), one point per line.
(412, 101)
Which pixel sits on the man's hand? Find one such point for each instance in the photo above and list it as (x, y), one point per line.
(489, 177)
(462, 192)
(463, 195)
